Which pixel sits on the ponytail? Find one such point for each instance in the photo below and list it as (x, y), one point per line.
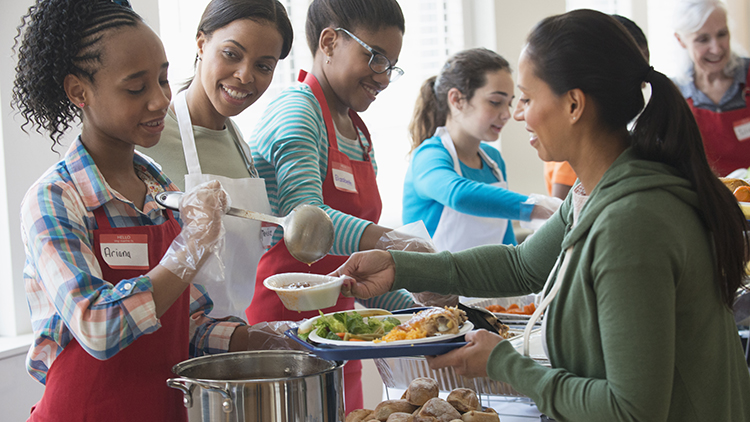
(466, 71)
(429, 114)
(667, 132)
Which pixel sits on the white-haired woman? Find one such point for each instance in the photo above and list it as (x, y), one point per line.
(715, 83)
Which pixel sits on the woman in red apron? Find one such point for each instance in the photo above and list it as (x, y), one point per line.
(108, 272)
(353, 62)
(717, 87)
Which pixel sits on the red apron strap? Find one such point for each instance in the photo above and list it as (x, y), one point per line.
(359, 124)
(102, 222)
(312, 82)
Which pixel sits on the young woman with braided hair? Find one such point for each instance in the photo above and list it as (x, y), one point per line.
(643, 260)
(109, 326)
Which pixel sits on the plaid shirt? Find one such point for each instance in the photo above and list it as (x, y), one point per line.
(66, 294)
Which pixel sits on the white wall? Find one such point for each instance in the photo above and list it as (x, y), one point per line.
(525, 169)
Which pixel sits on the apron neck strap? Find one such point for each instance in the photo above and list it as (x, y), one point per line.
(317, 90)
(188, 138)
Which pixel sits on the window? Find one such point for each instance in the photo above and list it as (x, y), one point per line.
(655, 19)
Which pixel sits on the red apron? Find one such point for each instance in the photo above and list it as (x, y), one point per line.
(724, 151)
(131, 385)
(364, 204)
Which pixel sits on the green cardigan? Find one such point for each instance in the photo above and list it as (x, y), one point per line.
(638, 331)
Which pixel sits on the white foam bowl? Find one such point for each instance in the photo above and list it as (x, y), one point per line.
(323, 291)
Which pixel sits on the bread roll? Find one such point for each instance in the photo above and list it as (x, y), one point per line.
(359, 415)
(463, 399)
(420, 390)
(385, 408)
(438, 409)
(400, 417)
(476, 416)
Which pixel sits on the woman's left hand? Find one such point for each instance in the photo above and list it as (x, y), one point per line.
(470, 360)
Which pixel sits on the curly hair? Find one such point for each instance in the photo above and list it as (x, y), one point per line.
(58, 38)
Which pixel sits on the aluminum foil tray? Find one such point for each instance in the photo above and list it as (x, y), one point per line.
(399, 373)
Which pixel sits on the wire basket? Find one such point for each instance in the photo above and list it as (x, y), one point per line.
(400, 372)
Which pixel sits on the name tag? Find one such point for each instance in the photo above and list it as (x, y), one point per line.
(742, 129)
(125, 251)
(343, 178)
(266, 233)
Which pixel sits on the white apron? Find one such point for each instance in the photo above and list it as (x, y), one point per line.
(457, 231)
(244, 243)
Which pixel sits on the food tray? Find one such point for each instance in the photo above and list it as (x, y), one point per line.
(508, 319)
(359, 352)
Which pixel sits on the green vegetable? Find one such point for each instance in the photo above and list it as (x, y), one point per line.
(326, 326)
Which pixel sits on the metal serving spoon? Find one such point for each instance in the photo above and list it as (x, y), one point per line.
(308, 230)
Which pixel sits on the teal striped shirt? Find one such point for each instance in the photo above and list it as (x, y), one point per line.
(290, 150)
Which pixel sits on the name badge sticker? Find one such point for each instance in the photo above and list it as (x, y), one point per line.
(343, 178)
(266, 233)
(125, 251)
(742, 129)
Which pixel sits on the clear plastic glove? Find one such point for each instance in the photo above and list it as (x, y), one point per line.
(270, 336)
(415, 237)
(202, 233)
(544, 207)
(411, 237)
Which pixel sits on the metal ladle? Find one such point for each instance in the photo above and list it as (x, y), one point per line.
(308, 230)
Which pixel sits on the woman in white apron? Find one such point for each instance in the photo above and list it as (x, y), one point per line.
(455, 182)
(235, 61)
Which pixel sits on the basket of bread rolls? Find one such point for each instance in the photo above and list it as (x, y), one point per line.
(421, 403)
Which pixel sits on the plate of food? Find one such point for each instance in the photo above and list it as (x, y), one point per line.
(352, 329)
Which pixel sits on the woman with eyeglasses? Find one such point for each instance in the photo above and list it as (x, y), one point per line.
(311, 147)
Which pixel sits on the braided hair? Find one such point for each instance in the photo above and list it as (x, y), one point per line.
(58, 38)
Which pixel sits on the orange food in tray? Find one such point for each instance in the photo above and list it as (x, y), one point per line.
(512, 309)
(742, 193)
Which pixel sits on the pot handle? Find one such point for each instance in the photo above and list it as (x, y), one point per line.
(187, 385)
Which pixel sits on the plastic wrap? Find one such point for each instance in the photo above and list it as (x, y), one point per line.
(270, 336)
(202, 235)
(544, 207)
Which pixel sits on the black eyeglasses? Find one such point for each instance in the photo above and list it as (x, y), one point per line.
(378, 62)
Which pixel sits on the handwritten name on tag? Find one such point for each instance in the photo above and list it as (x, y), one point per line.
(742, 129)
(125, 251)
(266, 233)
(343, 178)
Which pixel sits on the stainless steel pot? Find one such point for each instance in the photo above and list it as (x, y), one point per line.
(262, 386)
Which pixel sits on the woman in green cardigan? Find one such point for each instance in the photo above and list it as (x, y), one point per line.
(643, 259)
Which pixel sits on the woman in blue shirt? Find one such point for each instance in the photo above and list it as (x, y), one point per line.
(456, 183)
